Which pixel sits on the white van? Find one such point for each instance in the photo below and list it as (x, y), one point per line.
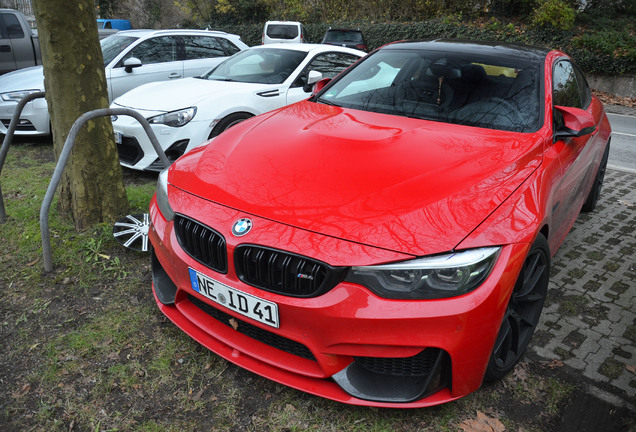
(284, 32)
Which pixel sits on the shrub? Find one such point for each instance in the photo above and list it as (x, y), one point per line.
(554, 13)
(599, 51)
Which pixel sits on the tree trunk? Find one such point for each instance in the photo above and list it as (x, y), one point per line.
(92, 188)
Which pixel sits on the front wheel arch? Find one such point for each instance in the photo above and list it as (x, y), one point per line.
(523, 311)
(228, 121)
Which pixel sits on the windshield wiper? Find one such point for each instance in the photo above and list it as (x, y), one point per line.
(327, 102)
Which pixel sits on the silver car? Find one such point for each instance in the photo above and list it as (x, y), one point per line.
(131, 58)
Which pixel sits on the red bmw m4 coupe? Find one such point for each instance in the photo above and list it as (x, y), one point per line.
(386, 242)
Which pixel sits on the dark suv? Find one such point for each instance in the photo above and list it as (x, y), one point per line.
(350, 38)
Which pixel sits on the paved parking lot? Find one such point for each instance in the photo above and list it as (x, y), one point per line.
(588, 325)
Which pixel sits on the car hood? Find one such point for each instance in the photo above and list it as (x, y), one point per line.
(173, 95)
(31, 78)
(406, 185)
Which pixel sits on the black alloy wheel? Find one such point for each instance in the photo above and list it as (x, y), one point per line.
(523, 312)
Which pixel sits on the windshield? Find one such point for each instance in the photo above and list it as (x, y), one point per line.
(334, 36)
(260, 66)
(113, 45)
(282, 31)
(461, 88)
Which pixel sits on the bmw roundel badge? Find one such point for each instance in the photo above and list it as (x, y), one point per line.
(241, 227)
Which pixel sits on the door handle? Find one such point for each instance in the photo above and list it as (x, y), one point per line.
(5, 48)
(174, 75)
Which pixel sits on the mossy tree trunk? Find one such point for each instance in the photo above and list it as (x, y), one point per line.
(92, 188)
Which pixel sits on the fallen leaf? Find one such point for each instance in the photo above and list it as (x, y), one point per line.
(233, 323)
(23, 391)
(609, 99)
(631, 368)
(555, 364)
(482, 423)
(520, 372)
(197, 396)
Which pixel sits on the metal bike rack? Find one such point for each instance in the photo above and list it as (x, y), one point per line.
(8, 138)
(61, 164)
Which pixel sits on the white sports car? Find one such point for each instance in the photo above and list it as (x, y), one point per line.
(186, 113)
(131, 58)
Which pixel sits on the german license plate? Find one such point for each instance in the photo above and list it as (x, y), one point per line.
(258, 309)
(117, 137)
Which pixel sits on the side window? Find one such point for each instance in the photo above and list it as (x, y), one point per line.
(584, 88)
(328, 64)
(156, 50)
(303, 34)
(229, 47)
(200, 47)
(565, 89)
(3, 32)
(14, 29)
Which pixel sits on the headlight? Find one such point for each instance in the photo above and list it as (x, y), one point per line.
(16, 96)
(162, 195)
(433, 277)
(174, 118)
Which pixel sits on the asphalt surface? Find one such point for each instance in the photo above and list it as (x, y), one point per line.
(623, 153)
(588, 325)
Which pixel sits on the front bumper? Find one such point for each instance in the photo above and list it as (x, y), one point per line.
(136, 150)
(34, 119)
(348, 344)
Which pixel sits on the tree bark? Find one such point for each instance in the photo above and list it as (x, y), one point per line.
(92, 188)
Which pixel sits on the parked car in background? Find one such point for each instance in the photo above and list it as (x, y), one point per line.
(107, 27)
(186, 113)
(284, 32)
(350, 38)
(385, 244)
(115, 24)
(19, 44)
(131, 58)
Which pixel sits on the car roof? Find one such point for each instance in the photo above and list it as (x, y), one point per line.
(306, 47)
(282, 22)
(143, 33)
(497, 49)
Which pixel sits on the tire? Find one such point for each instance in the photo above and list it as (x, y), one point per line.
(595, 193)
(227, 122)
(523, 311)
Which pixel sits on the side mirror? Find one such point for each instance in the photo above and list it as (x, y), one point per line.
(131, 63)
(320, 84)
(576, 123)
(312, 78)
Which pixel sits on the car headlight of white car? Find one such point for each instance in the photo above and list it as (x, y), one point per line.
(16, 96)
(440, 276)
(174, 118)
